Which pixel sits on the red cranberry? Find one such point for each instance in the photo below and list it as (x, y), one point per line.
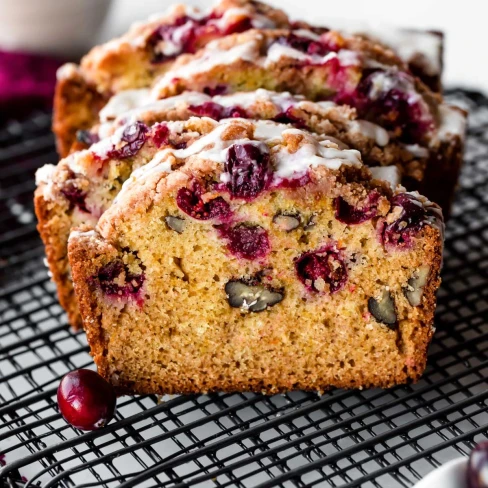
(394, 108)
(216, 90)
(477, 471)
(116, 280)
(241, 25)
(189, 200)
(75, 196)
(135, 136)
(189, 34)
(208, 109)
(325, 264)
(166, 33)
(413, 216)
(304, 44)
(288, 117)
(246, 242)
(86, 400)
(249, 171)
(134, 132)
(342, 78)
(217, 112)
(347, 214)
(160, 134)
(195, 33)
(292, 183)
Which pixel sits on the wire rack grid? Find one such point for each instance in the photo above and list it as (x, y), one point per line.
(372, 438)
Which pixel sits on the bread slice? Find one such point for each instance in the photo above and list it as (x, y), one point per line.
(339, 121)
(266, 260)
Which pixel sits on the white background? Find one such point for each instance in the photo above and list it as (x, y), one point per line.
(465, 23)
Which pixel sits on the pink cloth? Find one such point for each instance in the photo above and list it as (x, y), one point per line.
(26, 83)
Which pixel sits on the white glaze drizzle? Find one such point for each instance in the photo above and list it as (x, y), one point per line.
(185, 99)
(44, 174)
(371, 131)
(268, 131)
(213, 56)
(66, 71)
(249, 51)
(281, 100)
(307, 33)
(389, 174)
(311, 154)
(101, 149)
(416, 150)
(314, 151)
(408, 44)
(452, 122)
(44, 180)
(172, 44)
(278, 51)
(124, 101)
(381, 82)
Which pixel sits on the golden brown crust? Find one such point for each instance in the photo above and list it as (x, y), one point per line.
(87, 303)
(76, 106)
(54, 230)
(442, 173)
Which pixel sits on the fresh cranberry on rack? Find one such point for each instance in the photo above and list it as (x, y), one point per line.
(86, 400)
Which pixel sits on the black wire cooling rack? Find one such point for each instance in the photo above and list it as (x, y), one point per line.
(373, 438)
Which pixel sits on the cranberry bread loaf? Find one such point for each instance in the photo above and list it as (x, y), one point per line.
(268, 260)
(147, 50)
(83, 185)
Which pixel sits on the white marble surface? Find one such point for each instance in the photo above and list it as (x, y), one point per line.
(464, 23)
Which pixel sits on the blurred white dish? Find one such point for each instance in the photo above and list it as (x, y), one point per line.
(63, 27)
(449, 475)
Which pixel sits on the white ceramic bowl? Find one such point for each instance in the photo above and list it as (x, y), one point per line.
(62, 27)
(449, 475)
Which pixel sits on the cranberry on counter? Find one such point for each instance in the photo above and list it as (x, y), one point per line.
(86, 400)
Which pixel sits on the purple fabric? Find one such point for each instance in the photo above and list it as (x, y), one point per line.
(26, 83)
